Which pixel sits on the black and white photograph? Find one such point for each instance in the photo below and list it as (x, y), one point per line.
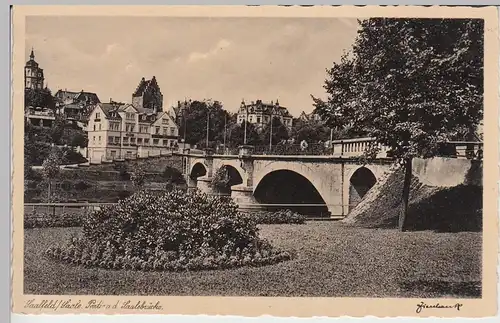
(269, 156)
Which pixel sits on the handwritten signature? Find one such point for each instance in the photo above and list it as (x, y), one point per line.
(422, 305)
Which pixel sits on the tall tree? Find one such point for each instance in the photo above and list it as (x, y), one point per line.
(196, 117)
(51, 168)
(311, 131)
(236, 135)
(280, 132)
(39, 98)
(410, 83)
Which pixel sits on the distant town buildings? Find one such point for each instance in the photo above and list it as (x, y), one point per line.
(119, 131)
(39, 117)
(148, 95)
(259, 113)
(75, 105)
(33, 74)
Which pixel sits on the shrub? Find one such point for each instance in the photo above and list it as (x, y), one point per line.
(169, 231)
(72, 157)
(82, 185)
(221, 179)
(173, 175)
(122, 169)
(278, 217)
(44, 220)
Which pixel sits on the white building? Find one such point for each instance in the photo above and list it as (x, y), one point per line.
(118, 131)
(259, 113)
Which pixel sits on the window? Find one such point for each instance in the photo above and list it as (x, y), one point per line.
(99, 138)
(129, 127)
(139, 141)
(155, 141)
(110, 139)
(93, 138)
(94, 127)
(130, 116)
(132, 140)
(146, 141)
(99, 126)
(165, 142)
(258, 119)
(164, 121)
(165, 131)
(172, 131)
(113, 153)
(98, 115)
(117, 139)
(157, 130)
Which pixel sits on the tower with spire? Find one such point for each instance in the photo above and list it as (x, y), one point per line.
(33, 74)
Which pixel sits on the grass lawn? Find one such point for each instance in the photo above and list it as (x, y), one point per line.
(331, 259)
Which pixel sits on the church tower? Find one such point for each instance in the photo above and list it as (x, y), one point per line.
(33, 75)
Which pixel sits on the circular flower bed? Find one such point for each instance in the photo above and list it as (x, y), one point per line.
(171, 231)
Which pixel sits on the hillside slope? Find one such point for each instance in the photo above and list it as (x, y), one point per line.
(456, 208)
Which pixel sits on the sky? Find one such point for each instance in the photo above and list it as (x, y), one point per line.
(224, 59)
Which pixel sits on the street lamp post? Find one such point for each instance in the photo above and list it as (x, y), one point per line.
(246, 119)
(185, 125)
(208, 124)
(225, 130)
(271, 132)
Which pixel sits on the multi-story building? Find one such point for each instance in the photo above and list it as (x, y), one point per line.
(33, 74)
(148, 95)
(75, 105)
(122, 131)
(259, 113)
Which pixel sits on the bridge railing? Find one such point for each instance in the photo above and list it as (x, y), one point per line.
(355, 148)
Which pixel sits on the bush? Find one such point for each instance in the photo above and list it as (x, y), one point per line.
(169, 231)
(278, 217)
(45, 220)
(72, 157)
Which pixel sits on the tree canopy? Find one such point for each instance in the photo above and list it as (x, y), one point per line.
(236, 135)
(195, 115)
(310, 131)
(280, 132)
(39, 98)
(410, 83)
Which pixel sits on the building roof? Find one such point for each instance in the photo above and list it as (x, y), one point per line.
(87, 97)
(81, 96)
(109, 108)
(144, 85)
(32, 62)
(265, 108)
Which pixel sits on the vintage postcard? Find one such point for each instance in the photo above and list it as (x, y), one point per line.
(285, 161)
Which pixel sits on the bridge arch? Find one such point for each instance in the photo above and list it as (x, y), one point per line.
(286, 186)
(197, 170)
(361, 180)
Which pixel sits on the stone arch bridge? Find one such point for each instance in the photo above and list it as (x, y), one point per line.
(324, 185)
